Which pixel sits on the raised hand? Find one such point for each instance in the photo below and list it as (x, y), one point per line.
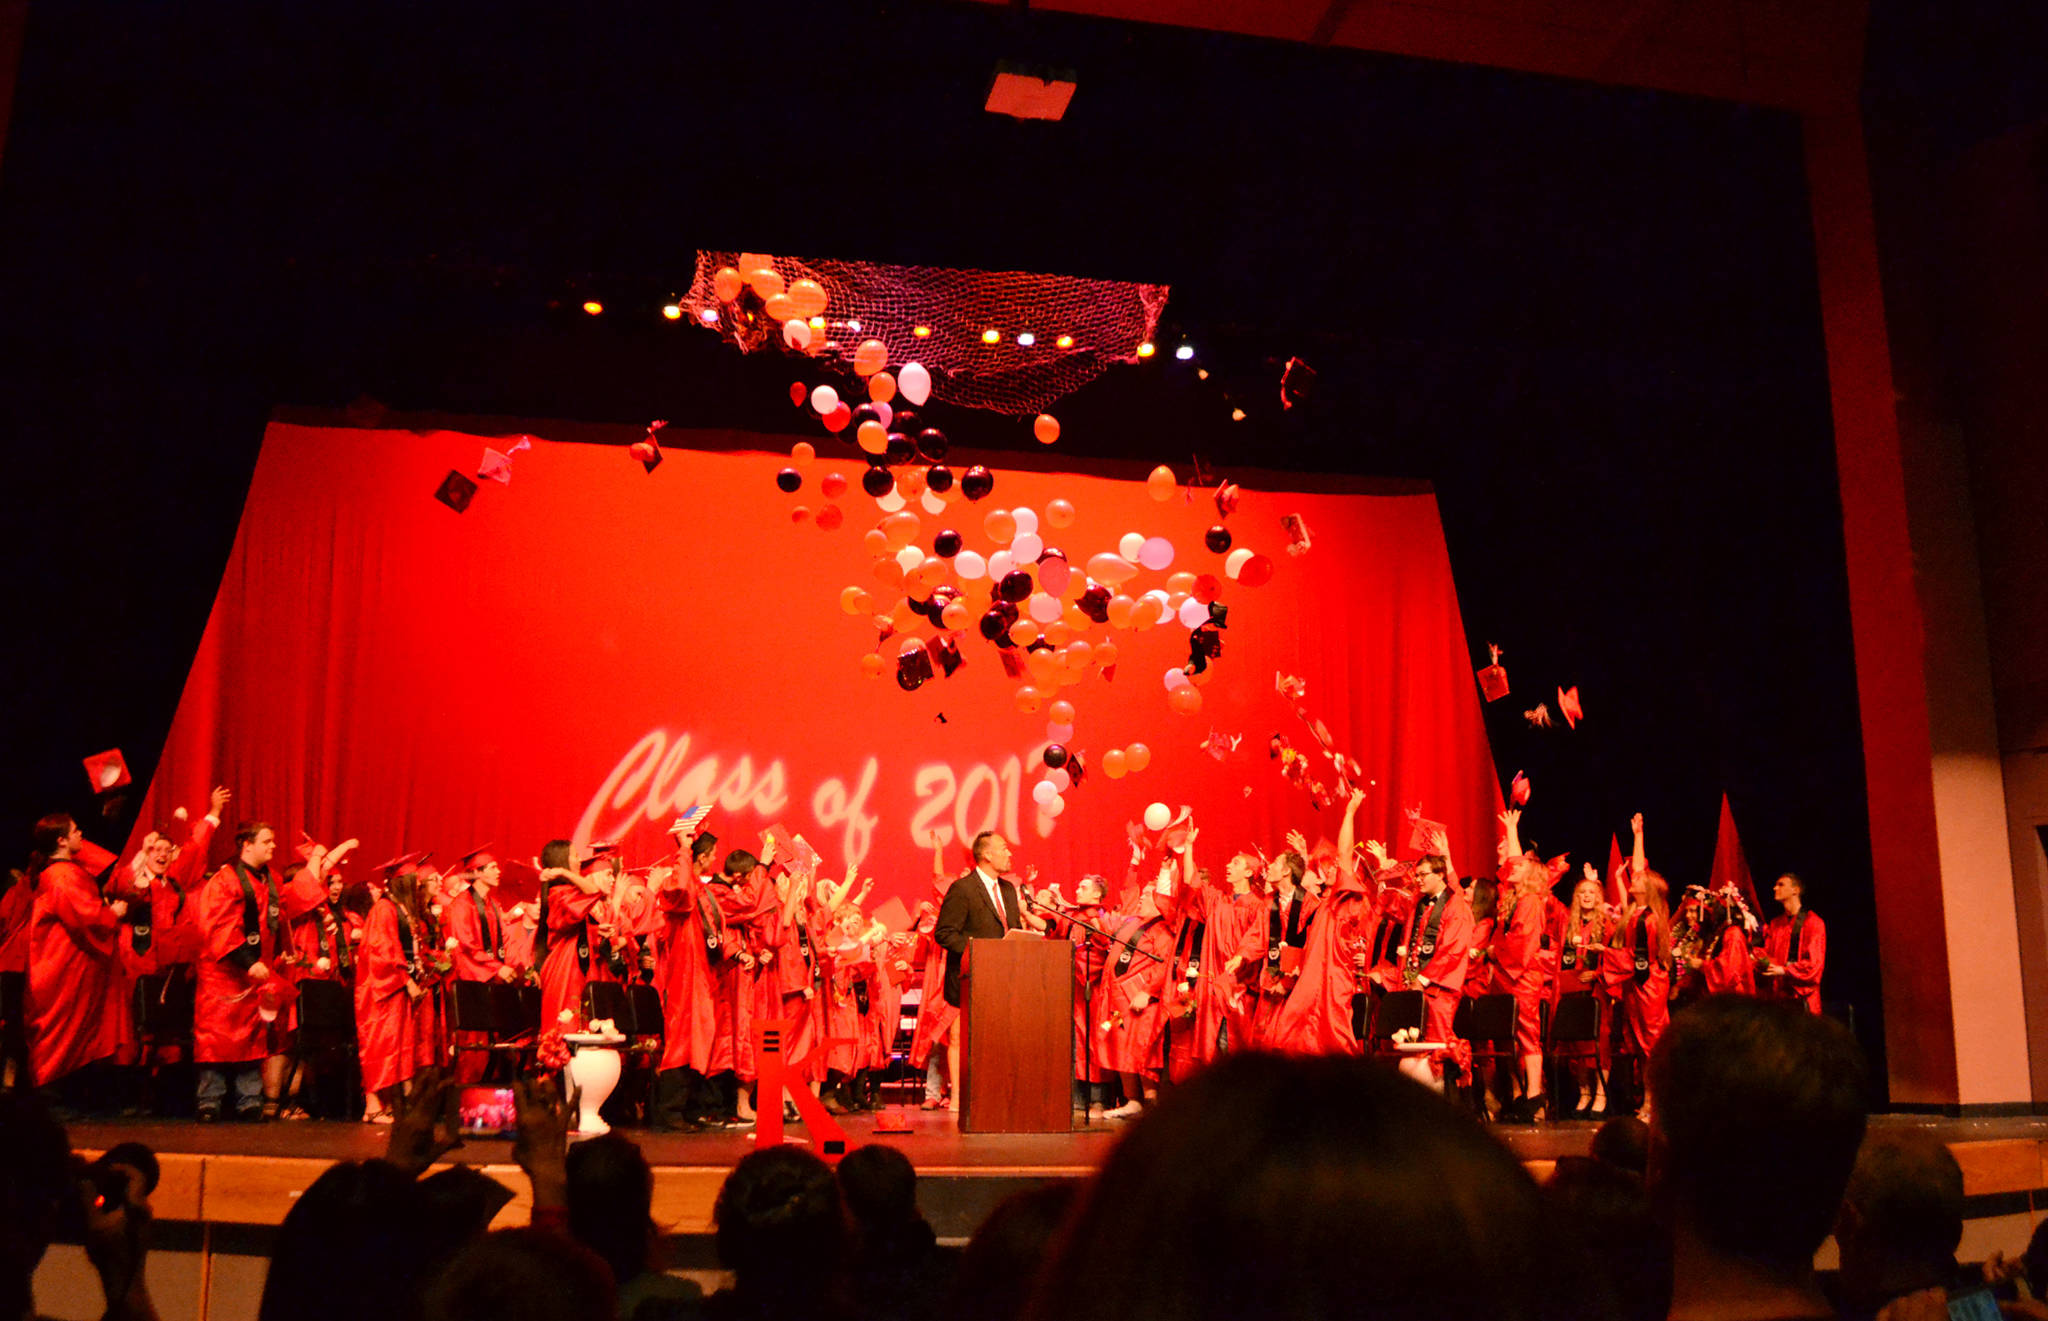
(1297, 842)
(217, 800)
(422, 1131)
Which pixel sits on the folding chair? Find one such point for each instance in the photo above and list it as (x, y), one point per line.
(1396, 1011)
(488, 1014)
(1488, 1023)
(1574, 1034)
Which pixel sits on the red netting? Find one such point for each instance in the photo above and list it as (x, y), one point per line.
(1052, 334)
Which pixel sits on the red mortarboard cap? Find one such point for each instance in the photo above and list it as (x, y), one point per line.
(304, 848)
(456, 491)
(690, 820)
(497, 467)
(1226, 499)
(1493, 679)
(1298, 537)
(1568, 705)
(598, 853)
(477, 857)
(404, 862)
(1422, 831)
(107, 770)
(1519, 790)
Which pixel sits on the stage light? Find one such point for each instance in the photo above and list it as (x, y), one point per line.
(817, 323)
(1146, 349)
(709, 316)
(672, 311)
(593, 307)
(922, 332)
(1064, 342)
(991, 336)
(1184, 352)
(1237, 415)
(853, 326)
(1027, 339)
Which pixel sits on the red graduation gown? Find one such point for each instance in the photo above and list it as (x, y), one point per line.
(746, 908)
(562, 976)
(228, 1027)
(1645, 1002)
(1801, 981)
(74, 969)
(478, 926)
(1090, 957)
(1518, 967)
(1445, 965)
(1130, 1040)
(388, 1019)
(935, 1018)
(682, 975)
(1729, 971)
(1317, 1017)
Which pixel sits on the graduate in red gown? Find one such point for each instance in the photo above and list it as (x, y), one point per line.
(1128, 1011)
(688, 948)
(1233, 916)
(847, 1029)
(474, 921)
(74, 959)
(574, 930)
(1090, 956)
(747, 910)
(1725, 965)
(391, 985)
(1581, 947)
(1434, 949)
(1521, 918)
(1795, 948)
(324, 935)
(1289, 909)
(242, 987)
(1639, 960)
(1319, 1017)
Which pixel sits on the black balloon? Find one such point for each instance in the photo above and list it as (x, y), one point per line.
(1015, 586)
(790, 480)
(947, 544)
(861, 416)
(899, 449)
(1094, 603)
(877, 482)
(931, 442)
(993, 626)
(909, 677)
(1055, 755)
(1217, 538)
(904, 420)
(977, 482)
(939, 478)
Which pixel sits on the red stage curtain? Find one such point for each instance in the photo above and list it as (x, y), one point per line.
(591, 649)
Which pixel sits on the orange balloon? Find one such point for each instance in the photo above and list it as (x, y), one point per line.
(1042, 666)
(1185, 700)
(727, 284)
(1180, 584)
(1029, 699)
(781, 308)
(1105, 654)
(1059, 513)
(808, 296)
(1080, 654)
(802, 453)
(1024, 632)
(870, 357)
(754, 261)
(1060, 712)
(1047, 428)
(800, 514)
(881, 387)
(872, 665)
(877, 541)
(900, 529)
(1001, 526)
(928, 575)
(910, 482)
(766, 281)
(855, 601)
(1120, 608)
(1075, 621)
(1113, 764)
(888, 572)
(1139, 756)
(872, 437)
(1161, 484)
(1058, 633)
(1069, 677)
(954, 615)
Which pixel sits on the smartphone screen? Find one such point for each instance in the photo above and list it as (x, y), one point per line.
(1976, 1305)
(486, 1111)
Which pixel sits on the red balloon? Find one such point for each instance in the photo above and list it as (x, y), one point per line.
(837, 420)
(1257, 572)
(1185, 700)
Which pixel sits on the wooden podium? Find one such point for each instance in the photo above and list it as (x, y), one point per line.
(1017, 1037)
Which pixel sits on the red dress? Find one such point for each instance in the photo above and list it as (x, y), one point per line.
(1800, 946)
(1641, 979)
(240, 926)
(682, 973)
(388, 1018)
(74, 969)
(1131, 1038)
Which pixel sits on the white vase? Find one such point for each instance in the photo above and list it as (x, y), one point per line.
(592, 1072)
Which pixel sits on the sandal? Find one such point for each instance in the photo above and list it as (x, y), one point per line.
(270, 1109)
(295, 1112)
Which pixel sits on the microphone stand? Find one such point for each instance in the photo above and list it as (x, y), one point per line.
(1085, 925)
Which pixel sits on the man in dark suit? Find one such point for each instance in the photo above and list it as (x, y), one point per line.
(979, 906)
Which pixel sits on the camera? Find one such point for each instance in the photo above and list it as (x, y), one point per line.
(109, 1183)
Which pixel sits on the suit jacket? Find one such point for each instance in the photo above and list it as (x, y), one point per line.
(966, 914)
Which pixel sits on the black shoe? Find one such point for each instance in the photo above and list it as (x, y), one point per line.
(208, 1114)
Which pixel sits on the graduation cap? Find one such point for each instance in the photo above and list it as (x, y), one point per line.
(599, 853)
(476, 859)
(1519, 789)
(456, 491)
(404, 862)
(1568, 705)
(107, 770)
(497, 467)
(690, 820)
(1493, 679)
(306, 847)
(1422, 832)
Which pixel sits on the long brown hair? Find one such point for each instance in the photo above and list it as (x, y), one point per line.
(1656, 894)
(1575, 924)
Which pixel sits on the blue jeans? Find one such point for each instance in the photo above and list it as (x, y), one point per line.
(248, 1080)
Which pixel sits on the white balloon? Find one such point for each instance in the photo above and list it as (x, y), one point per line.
(1060, 779)
(1193, 613)
(1175, 677)
(1044, 792)
(1158, 816)
(1000, 564)
(1056, 806)
(1129, 547)
(1026, 548)
(1156, 553)
(1159, 598)
(883, 412)
(890, 501)
(1058, 733)
(1027, 520)
(824, 399)
(932, 503)
(1044, 607)
(969, 564)
(914, 383)
(1233, 563)
(909, 557)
